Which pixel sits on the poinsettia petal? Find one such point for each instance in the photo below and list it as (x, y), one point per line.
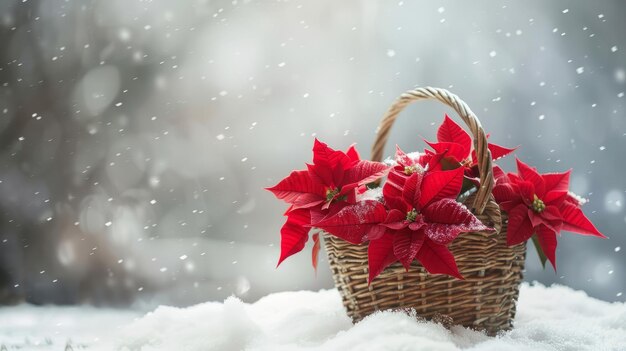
(520, 227)
(497, 151)
(315, 251)
(396, 179)
(439, 185)
(353, 154)
(350, 196)
(326, 156)
(308, 201)
(346, 190)
(431, 161)
(395, 220)
(555, 198)
(295, 185)
(557, 181)
(326, 205)
(396, 225)
(402, 158)
(395, 216)
(442, 233)
(550, 217)
(375, 232)
(365, 172)
(506, 192)
(354, 222)
(437, 259)
(535, 218)
(446, 219)
(417, 225)
(574, 220)
(552, 213)
(527, 191)
(499, 175)
(392, 191)
(406, 244)
(530, 174)
(507, 206)
(321, 175)
(380, 255)
(317, 214)
(411, 192)
(361, 189)
(548, 243)
(294, 233)
(338, 174)
(449, 211)
(451, 132)
(459, 152)
(329, 161)
(514, 178)
(428, 152)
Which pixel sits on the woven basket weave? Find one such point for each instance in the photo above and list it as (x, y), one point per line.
(485, 299)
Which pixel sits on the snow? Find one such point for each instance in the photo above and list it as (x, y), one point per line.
(371, 194)
(389, 161)
(549, 318)
(29, 327)
(415, 155)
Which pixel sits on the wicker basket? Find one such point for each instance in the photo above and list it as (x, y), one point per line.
(486, 299)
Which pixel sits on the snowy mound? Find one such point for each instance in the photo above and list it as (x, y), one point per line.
(555, 318)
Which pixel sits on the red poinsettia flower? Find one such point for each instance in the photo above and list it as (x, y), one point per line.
(457, 144)
(406, 165)
(419, 224)
(325, 187)
(539, 204)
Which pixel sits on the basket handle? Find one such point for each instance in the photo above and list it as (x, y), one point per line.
(470, 119)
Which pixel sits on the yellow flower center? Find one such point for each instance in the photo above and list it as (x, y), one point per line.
(411, 215)
(408, 170)
(538, 205)
(331, 193)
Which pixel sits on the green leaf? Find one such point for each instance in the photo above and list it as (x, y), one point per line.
(449, 163)
(467, 190)
(373, 185)
(467, 185)
(540, 253)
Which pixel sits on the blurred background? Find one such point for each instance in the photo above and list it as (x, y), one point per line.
(136, 136)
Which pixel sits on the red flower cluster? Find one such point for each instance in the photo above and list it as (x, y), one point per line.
(418, 215)
(325, 187)
(457, 145)
(539, 206)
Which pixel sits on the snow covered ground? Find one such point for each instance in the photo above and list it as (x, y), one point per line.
(29, 327)
(554, 318)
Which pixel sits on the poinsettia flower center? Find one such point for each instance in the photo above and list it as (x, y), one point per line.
(411, 216)
(331, 193)
(538, 205)
(467, 163)
(408, 170)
